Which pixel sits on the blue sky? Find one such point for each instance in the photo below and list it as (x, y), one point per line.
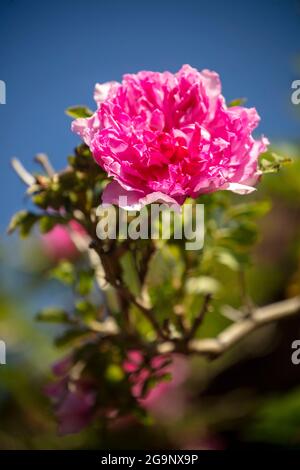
(53, 52)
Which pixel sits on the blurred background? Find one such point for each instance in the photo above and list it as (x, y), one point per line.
(51, 55)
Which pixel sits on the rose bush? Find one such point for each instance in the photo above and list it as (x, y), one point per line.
(140, 304)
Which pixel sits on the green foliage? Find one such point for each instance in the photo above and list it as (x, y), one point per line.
(64, 272)
(48, 222)
(24, 222)
(202, 285)
(72, 337)
(237, 102)
(53, 315)
(85, 282)
(79, 112)
(271, 162)
(277, 420)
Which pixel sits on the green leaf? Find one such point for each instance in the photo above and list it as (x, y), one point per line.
(53, 315)
(226, 258)
(114, 373)
(48, 222)
(86, 310)
(23, 221)
(64, 272)
(271, 162)
(85, 282)
(202, 285)
(237, 102)
(70, 336)
(79, 112)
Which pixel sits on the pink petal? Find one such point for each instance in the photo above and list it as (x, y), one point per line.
(238, 188)
(114, 193)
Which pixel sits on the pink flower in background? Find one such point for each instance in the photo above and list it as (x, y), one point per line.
(58, 243)
(74, 400)
(140, 371)
(166, 399)
(165, 137)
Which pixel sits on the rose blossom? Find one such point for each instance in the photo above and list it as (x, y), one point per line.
(165, 137)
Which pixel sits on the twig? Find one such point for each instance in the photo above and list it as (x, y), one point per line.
(148, 312)
(234, 333)
(112, 270)
(199, 318)
(23, 174)
(245, 297)
(232, 313)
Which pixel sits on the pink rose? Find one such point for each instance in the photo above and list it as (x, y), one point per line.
(165, 137)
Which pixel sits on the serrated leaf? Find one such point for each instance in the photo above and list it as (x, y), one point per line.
(79, 112)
